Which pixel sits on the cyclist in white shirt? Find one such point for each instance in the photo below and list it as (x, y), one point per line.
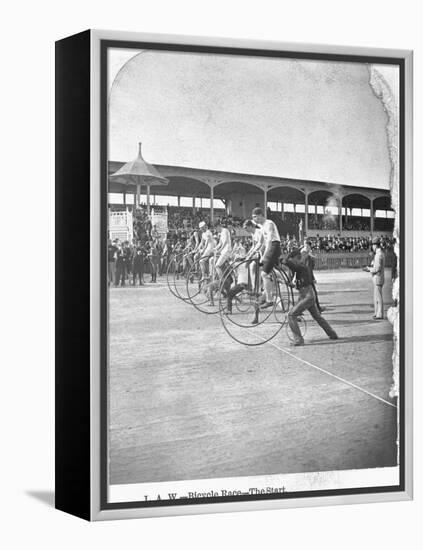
(270, 250)
(223, 248)
(205, 249)
(257, 238)
(242, 268)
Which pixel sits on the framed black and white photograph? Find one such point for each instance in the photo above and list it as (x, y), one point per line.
(234, 288)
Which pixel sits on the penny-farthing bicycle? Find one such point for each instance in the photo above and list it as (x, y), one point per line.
(172, 267)
(203, 284)
(176, 274)
(240, 305)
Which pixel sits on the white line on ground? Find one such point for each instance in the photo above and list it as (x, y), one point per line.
(347, 382)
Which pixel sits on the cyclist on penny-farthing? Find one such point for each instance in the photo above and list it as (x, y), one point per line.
(193, 242)
(220, 261)
(269, 247)
(245, 272)
(204, 251)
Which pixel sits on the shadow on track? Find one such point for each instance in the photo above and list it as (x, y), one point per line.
(369, 338)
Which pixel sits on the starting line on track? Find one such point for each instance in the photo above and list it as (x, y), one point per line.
(339, 378)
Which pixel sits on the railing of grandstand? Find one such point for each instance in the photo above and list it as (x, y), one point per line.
(339, 260)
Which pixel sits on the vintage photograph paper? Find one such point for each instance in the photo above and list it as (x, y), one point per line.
(253, 288)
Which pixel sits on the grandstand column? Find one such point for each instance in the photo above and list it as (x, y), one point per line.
(306, 214)
(211, 202)
(148, 200)
(372, 217)
(340, 214)
(138, 195)
(265, 197)
(211, 182)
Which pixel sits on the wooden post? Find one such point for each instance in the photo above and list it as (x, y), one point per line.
(211, 203)
(138, 195)
(306, 215)
(148, 200)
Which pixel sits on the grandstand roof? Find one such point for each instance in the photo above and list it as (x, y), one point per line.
(189, 182)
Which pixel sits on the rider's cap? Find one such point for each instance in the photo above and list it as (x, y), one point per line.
(202, 224)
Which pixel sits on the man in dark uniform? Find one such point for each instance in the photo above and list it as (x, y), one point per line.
(310, 261)
(120, 266)
(148, 227)
(138, 266)
(307, 299)
(127, 254)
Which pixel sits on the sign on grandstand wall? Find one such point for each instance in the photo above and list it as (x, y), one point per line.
(121, 225)
(159, 220)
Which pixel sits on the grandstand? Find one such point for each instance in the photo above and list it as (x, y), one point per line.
(341, 210)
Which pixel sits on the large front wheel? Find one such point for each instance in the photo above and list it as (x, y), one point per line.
(201, 285)
(241, 310)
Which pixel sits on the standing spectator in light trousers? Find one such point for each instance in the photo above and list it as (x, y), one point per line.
(111, 260)
(377, 270)
(154, 257)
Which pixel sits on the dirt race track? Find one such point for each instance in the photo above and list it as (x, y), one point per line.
(188, 402)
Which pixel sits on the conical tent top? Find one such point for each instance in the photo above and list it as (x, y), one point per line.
(139, 172)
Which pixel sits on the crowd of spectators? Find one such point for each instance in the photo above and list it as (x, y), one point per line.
(128, 263)
(329, 244)
(181, 221)
(323, 221)
(356, 224)
(149, 252)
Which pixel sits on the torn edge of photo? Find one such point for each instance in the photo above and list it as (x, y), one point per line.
(234, 288)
